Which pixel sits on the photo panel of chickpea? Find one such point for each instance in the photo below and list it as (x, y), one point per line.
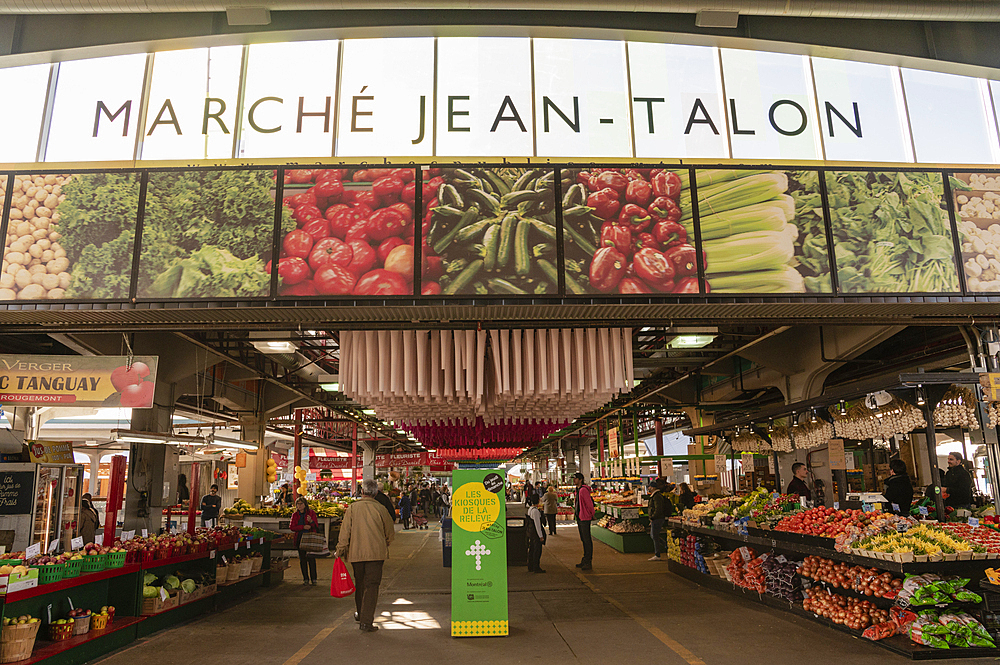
(348, 232)
(207, 234)
(70, 236)
(977, 211)
(489, 232)
(628, 231)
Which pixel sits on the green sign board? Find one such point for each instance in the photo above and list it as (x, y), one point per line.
(479, 554)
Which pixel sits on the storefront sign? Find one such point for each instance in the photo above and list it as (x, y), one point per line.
(16, 492)
(553, 97)
(411, 459)
(613, 442)
(321, 463)
(232, 476)
(720, 465)
(746, 461)
(835, 449)
(479, 555)
(51, 452)
(85, 381)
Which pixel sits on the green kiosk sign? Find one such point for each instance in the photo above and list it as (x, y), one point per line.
(479, 554)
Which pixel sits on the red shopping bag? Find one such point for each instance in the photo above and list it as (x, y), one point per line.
(341, 585)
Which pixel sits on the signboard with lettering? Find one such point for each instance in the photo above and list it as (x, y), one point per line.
(85, 381)
(50, 452)
(836, 452)
(17, 492)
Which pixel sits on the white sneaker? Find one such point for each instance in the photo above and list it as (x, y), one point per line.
(654, 558)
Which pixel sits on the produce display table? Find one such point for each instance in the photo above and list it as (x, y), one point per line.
(790, 544)
(623, 542)
(81, 648)
(330, 527)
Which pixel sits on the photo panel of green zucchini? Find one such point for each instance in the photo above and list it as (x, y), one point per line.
(70, 236)
(207, 234)
(489, 232)
(628, 231)
(977, 208)
(891, 232)
(763, 231)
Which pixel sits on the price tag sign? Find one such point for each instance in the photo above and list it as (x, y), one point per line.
(923, 510)
(163, 594)
(261, 541)
(128, 535)
(53, 546)
(211, 555)
(76, 543)
(746, 553)
(70, 601)
(225, 560)
(895, 507)
(781, 558)
(866, 507)
(145, 534)
(33, 551)
(973, 521)
(99, 539)
(802, 501)
(836, 505)
(48, 611)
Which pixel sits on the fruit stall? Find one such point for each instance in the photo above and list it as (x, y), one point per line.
(277, 518)
(80, 605)
(912, 587)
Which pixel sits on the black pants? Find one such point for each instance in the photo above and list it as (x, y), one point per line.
(405, 517)
(551, 519)
(534, 549)
(588, 542)
(307, 563)
(367, 578)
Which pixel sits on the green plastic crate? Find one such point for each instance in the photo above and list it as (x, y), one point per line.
(115, 559)
(73, 568)
(94, 564)
(50, 574)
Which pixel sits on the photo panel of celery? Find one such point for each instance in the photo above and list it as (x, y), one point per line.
(977, 205)
(891, 232)
(762, 231)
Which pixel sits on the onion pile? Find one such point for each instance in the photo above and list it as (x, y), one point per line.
(865, 581)
(851, 612)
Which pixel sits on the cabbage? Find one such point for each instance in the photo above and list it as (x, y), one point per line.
(150, 591)
(188, 586)
(148, 579)
(171, 582)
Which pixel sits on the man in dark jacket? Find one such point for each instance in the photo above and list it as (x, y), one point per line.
(387, 503)
(659, 509)
(898, 488)
(958, 483)
(798, 483)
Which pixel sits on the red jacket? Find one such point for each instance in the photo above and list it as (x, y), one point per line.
(584, 504)
(299, 522)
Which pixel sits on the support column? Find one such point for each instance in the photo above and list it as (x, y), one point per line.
(252, 476)
(194, 485)
(354, 458)
(297, 448)
(368, 459)
(932, 457)
(658, 429)
(153, 467)
(584, 453)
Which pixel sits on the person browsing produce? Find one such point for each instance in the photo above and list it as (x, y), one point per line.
(583, 511)
(958, 483)
(551, 507)
(687, 496)
(898, 491)
(90, 521)
(798, 484)
(365, 535)
(659, 509)
(210, 505)
(304, 519)
(536, 536)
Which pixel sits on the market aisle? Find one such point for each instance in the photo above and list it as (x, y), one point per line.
(626, 609)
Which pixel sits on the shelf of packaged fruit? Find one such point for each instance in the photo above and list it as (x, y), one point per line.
(899, 644)
(45, 649)
(83, 578)
(787, 542)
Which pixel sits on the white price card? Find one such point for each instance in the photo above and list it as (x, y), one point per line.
(973, 521)
(145, 533)
(99, 539)
(836, 505)
(261, 541)
(53, 546)
(923, 510)
(163, 594)
(895, 507)
(76, 543)
(211, 555)
(225, 560)
(128, 535)
(33, 550)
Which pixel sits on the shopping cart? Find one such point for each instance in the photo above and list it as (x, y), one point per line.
(419, 520)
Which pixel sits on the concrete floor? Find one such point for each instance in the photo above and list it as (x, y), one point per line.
(627, 609)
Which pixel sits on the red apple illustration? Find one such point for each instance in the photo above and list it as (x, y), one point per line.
(139, 394)
(124, 376)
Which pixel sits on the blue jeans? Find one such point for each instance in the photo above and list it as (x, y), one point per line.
(655, 526)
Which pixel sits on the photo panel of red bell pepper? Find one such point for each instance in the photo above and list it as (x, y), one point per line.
(623, 232)
(489, 231)
(762, 231)
(353, 233)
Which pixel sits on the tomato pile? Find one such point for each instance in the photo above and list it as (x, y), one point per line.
(851, 612)
(865, 581)
(825, 522)
(984, 536)
(353, 235)
(627, 224)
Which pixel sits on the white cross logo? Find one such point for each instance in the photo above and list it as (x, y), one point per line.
(479, 551)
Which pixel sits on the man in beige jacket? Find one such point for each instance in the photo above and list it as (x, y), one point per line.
(365, 535)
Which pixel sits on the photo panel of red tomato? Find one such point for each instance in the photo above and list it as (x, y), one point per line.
(70, 236)
(628, 231)
(207, 234)
(489, 231)
(351, 232)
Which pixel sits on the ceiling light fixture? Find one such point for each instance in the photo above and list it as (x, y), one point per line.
(921, 400)
(226, 442)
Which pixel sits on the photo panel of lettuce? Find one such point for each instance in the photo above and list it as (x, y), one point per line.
(977, 205)
(891, 232)
(628, 231)
(70, 236)
(207, 234)
(762, 231)
(489, 232)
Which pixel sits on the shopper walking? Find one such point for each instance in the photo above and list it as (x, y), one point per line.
(436, 500)
(659, 509)
(583, 511)
(304, 520)
(365, 535)
(90, 520)
(387, 502)
(536, 537)
(551, 505)
(425, 499)
(211, 503)
(958, 483)
(404, 511)
(529, 493)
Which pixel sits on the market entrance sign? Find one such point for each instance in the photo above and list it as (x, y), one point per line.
(84, 381)
(564, 98)
(479, 555)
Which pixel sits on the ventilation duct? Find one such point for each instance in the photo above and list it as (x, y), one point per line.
(927, 10)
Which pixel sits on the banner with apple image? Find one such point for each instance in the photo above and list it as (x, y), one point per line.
(84, 381)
